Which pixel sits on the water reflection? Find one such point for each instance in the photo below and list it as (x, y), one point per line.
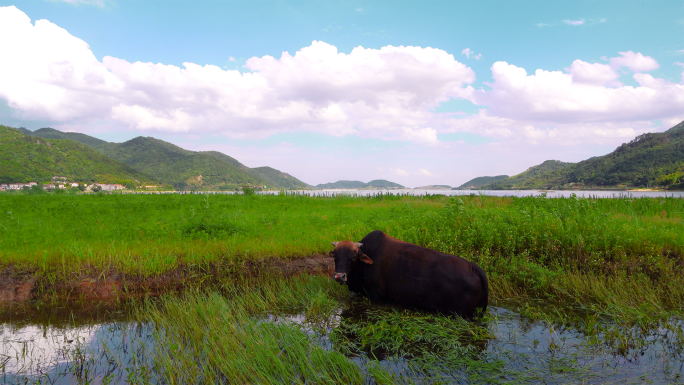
(517, 349)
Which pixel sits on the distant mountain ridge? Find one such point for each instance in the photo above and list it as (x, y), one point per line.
(433, 187)
(184, 169)
(357, 185)
(479, 181)
(24, 158)
(651, 159)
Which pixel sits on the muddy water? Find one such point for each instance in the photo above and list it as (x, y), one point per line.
(111, 349)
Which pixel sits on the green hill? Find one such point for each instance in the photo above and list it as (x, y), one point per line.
(434, 187)
(25, 158)
(648, 160)
(279, 179)
(184, 169)
(51, 133)
(381, 183)
(479, 181)
(356, 185)
(523, 180)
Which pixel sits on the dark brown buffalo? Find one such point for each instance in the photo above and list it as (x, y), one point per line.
(387, 269)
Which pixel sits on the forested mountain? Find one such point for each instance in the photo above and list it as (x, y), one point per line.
(24, 158)
(184, 169)
(479, 181)
(649, 160)
(522, 180)
(51, 133)
(279, 178)
(355, 184)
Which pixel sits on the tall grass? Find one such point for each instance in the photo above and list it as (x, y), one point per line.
(218, 339)
(569, 248)
(244, 336)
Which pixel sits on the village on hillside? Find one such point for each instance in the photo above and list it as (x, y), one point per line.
(61, 182)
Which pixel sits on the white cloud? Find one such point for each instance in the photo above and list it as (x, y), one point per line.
(555, 97)
(425, 172)
(398, 171)
(596, 73)
(634, 61)
(468, 52)
(231, 58)
(681, 65)
(383, 93)
(574, 22)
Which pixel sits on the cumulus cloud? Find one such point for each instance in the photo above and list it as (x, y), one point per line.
(385, 93)
(634, 61)
(681, 65)
(581, 96)
(592, 73)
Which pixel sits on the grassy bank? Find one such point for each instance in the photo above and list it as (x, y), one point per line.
(622, 256)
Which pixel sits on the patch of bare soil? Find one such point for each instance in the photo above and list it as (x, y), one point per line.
(18, 287)
(15, 285)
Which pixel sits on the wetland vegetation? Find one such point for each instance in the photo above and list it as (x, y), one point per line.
(585, 290)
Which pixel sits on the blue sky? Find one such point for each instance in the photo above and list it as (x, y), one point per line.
(437, 121)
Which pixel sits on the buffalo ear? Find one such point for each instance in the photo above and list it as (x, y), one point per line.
(365, 259)
(330, 254)
(334, 244)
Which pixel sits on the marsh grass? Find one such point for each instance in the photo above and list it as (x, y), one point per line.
(618, 256)
(245, 336)
(217, 338)
(309, 329)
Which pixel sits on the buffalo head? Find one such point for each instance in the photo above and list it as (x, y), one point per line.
(347, 254)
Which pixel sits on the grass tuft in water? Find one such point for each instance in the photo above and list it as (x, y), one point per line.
(212, 338)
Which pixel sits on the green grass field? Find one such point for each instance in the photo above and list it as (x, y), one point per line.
(613, 253)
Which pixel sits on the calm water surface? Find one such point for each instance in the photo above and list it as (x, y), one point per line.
(500, 193)
(117, 351)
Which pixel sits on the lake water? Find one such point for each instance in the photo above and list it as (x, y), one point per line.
(512, 193)
(523, 350)
(499, 193)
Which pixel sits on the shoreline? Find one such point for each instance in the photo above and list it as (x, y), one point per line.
(19, 287)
